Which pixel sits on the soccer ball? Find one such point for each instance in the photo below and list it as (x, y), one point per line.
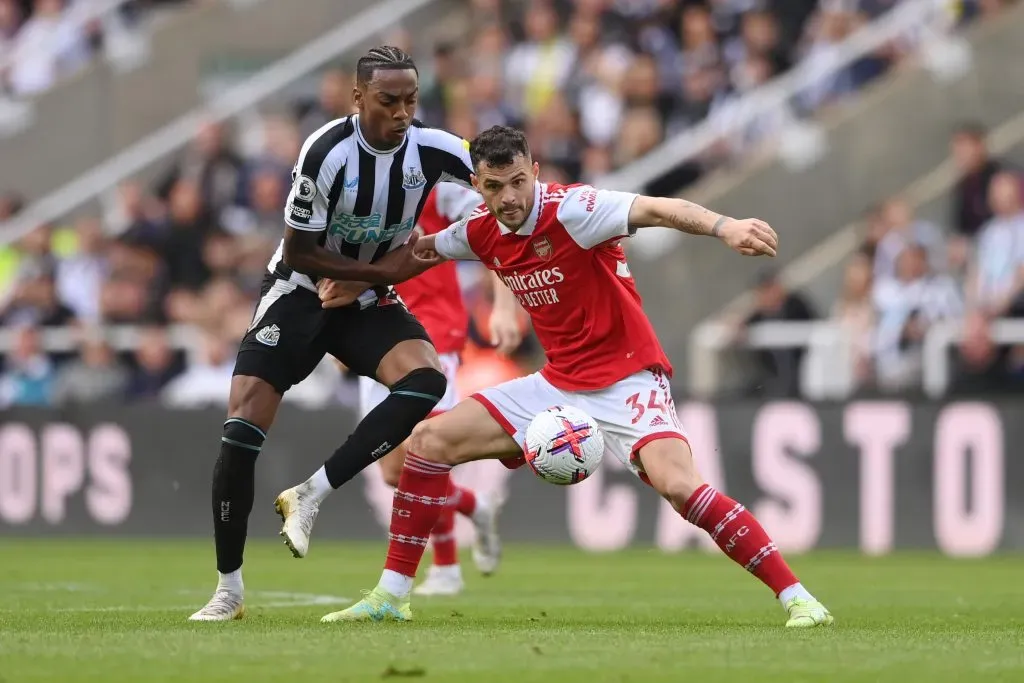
(564, 445)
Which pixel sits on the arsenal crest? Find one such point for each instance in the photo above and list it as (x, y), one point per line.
(543, 248)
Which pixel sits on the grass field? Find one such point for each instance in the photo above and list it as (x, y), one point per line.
(115, 611)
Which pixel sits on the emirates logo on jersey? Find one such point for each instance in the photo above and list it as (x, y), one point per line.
(543, 248)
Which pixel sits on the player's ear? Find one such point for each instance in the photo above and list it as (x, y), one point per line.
(475, 181)
(536, 170)
(357, 98)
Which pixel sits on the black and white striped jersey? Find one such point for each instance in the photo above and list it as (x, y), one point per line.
(366, 202)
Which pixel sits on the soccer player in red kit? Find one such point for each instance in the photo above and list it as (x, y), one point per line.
(435, 298)
(557, 248)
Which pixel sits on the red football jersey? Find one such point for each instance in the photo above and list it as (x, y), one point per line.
(435, 297)
(568, 270)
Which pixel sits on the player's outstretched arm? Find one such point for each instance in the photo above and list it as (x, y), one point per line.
(303, 253)
(748, 236)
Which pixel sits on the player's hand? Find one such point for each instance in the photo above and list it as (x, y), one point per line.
(506, 335)
(338, 293)
(408, 261)
(750, 237)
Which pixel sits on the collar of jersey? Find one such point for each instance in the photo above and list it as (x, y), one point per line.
(370, 148)
(531, 221)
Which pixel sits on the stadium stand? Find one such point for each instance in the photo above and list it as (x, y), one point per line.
(596, 84)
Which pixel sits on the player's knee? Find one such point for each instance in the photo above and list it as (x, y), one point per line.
(424, 384)
(672, 471)
(428, 441)
(679, 486)
(243, 437)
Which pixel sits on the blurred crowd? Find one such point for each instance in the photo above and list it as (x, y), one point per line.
(595, 83)
(911, 274)
(42, 41)
(598, 84)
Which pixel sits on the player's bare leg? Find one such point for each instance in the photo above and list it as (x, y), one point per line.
(671, 470)
(465, 433)
(412, 370)
(252, 407)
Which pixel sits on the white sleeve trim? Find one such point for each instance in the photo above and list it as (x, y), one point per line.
(307, 227)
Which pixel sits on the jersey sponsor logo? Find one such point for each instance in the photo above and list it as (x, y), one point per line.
(352, 185)
(658, 421)
(413, 179)
(535, 289)
(589, 197)
(365, 229)
(269, 335)
(305, 188)
(543, 248)
(298, 212)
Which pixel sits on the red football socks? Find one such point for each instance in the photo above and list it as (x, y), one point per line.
(446, 551)
(419, 502)
(462, 500)
(740, 536)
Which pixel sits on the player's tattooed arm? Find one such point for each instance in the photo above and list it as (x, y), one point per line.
(748, 236)
(669, 212)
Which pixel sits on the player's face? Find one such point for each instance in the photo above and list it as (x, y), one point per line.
(387, 105)
(508, 191)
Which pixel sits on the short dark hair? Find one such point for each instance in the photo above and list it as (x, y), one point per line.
(383, 57)
(498, 146)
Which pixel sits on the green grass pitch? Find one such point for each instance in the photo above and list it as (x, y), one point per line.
(81, 610)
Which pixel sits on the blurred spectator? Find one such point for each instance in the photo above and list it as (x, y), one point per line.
(779, 367)
(95, 375)
(902, 229)
(434, 100)
(155, 365)
(908, 305)
(50, 43)
(10, 21)
(855, 313)
(210, 165)
(980, 364)
(997, 276)
(34, 301)
(334, 102)
(186, 231)
(975, 169)
(540, 66)
(81, 273)
(29, 375)
(207, 380)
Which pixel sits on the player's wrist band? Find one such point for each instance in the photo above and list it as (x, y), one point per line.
(716, 229)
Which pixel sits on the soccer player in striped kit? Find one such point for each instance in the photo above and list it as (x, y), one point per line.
(359, 185)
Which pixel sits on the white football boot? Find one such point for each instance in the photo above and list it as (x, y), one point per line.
(441, 581)
(225, 605)
(487, 547)
(298, 509)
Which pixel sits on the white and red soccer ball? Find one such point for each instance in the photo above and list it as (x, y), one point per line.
(564, 445)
